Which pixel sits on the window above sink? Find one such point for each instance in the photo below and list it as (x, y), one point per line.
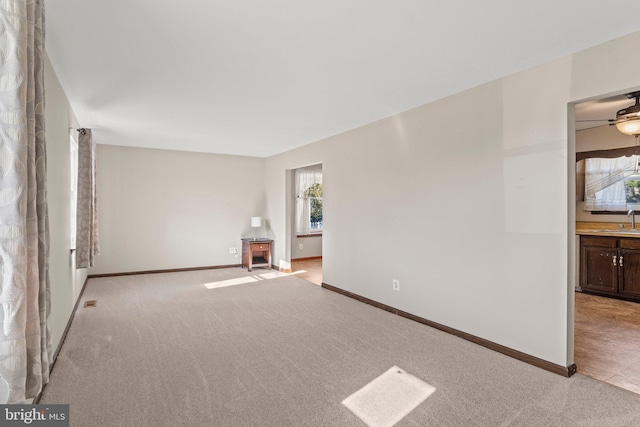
(612, 184)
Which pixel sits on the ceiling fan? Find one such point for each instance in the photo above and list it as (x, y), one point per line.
(627, 120)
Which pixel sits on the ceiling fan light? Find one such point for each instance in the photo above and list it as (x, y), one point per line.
(629, 126)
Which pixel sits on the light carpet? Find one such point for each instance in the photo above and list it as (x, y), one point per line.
(389, 398)
(164, 350)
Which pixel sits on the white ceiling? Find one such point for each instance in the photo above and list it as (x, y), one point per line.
(600, 112)
(253, 77)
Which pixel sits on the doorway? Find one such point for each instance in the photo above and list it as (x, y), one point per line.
(606, 328)
(307, 222)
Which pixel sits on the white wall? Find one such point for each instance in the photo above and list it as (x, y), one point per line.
(162, 209)
(311, 247)
(66, 281)
(467, 202)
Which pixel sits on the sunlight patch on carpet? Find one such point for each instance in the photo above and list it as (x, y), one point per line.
(247, 279)
(273, 275)
(231, 282)
(389, 398)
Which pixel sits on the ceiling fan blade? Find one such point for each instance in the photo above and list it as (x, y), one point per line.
(597, 126)
(597, 120)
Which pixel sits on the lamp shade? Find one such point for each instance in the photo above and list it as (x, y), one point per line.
(256, 221)
(628, 119)
(629, 126)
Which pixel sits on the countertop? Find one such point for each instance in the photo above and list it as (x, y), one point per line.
(608, 229)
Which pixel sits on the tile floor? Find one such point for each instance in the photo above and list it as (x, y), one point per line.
(309, 269)
(607, 340)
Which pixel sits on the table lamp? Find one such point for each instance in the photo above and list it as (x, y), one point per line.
(256, 222)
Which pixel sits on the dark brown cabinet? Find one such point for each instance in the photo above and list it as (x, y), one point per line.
(630, 272)
(610, 266)
(599, 264)
(256, 253)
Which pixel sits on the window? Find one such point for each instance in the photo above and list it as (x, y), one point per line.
(314, 195)
(611, 184)
(308, 206)
(73, 159)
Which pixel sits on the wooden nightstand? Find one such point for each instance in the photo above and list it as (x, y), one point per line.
(256, 253)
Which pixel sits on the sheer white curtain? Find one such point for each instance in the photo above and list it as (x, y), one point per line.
(305, 179)
(25, 336)
(604, 183)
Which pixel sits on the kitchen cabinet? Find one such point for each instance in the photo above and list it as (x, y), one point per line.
(629, 268)
(599, 264)
(610, 266)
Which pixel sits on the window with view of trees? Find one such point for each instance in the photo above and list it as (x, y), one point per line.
(308, 206)
(314, 194)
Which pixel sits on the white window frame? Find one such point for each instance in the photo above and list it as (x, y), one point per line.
(302, 208)
(73, 199)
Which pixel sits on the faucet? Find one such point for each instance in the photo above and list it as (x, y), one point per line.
(632, 214)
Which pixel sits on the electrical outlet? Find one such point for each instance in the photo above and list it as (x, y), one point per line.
(396, 284)
(300, 246)
(233, 251)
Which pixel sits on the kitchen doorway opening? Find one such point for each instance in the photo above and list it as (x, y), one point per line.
(606, 326)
